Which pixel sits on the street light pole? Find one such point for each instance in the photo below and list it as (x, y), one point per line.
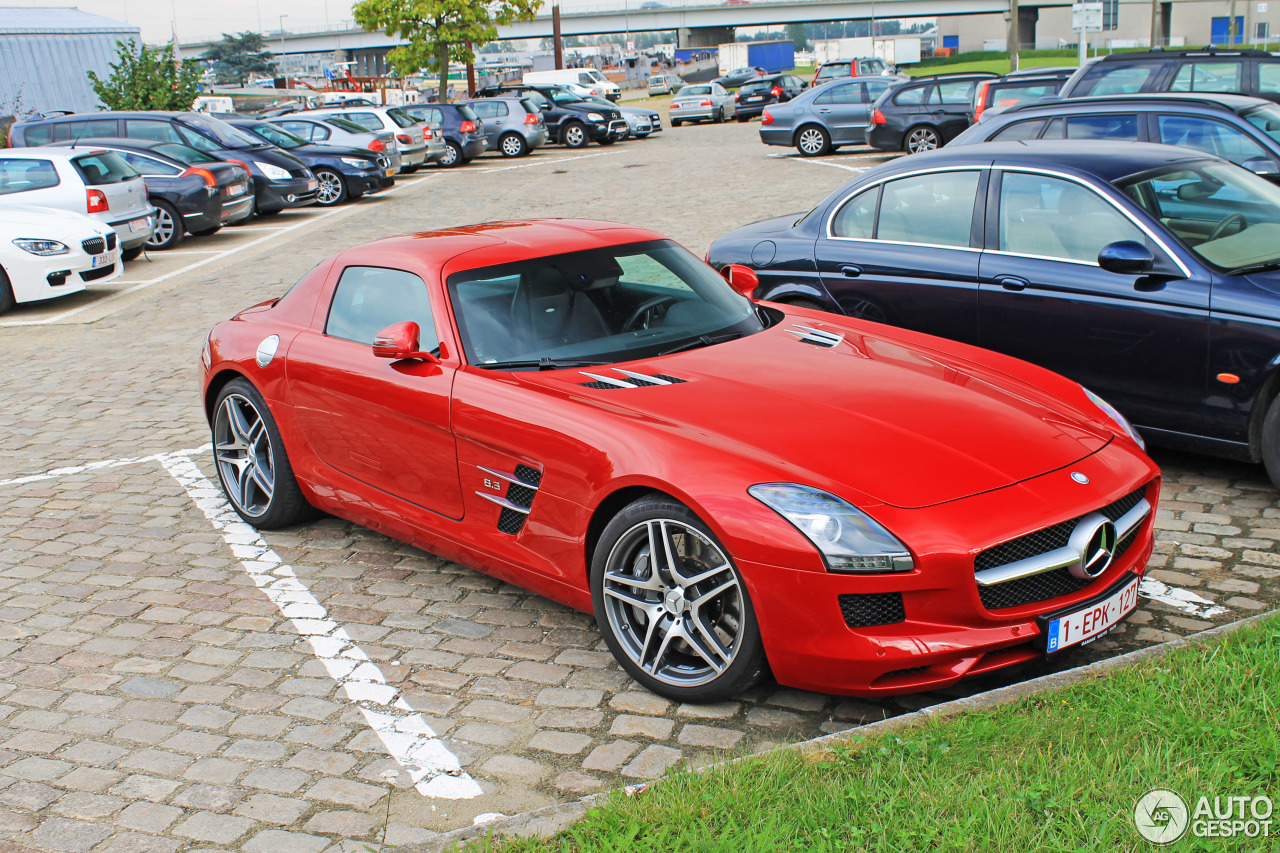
(1013, 35)
(282, 17)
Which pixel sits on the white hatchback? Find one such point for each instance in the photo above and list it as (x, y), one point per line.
(85, 180)
(46, 252)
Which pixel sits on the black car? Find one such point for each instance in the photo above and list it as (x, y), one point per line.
(738, 76)
(1021, 87)
(193, 192)
(1148, 273)
(1243, 72)
(342, 173)
(1238, 128)
(570, 120)
(759, 92)
(280, 180)
(462, 129)
(923, 113)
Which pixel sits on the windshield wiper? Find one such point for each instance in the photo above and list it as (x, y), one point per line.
(1264, 266)
(541, 363)
(702, 341)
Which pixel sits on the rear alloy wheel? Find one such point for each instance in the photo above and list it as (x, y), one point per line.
(513, 145)
(169, 228)
(813, 141)
(6, 293)
(330, 190)
(922, 139)
(452, 155)
(672, 606)
(575, 135)
(252, 465)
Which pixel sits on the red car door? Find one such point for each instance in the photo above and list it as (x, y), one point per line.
(384, 423)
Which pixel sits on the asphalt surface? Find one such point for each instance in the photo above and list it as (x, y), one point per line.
(171, 680)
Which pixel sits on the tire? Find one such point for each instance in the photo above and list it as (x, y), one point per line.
(513, 145)
(133, 254)
(409, 170)
(718, 118)
(575, 135)
(332, 190)
(607, 140)
(675, 123)
(452, 155)
(207, 232)
(7, 300)
(268, 213)
(1270, 438)
(250, 458)
(671, 665)
(813, 141)
(741, 119)
(169, 228)
(921, 138)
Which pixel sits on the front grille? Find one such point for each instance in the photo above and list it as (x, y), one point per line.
(94, 245)
(101, 272)
(875, 608)
(1041, 587)
(111, 241)
(509, 520)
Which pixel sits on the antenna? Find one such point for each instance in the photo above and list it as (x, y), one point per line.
(79, 135)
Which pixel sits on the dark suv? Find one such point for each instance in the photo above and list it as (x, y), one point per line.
(570, 120)
(280, 180)
(923, 113)
(1243, 72)
(760, 92)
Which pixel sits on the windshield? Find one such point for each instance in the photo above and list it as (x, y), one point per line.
(756, 86)
(1226, 215)
(276, 136)
(104, 167)
(1266, 119)
(836, 69)
(564, 96)
(601, 306)
(401, 118)
(220, 132)
(697, 90)
(467, 113)
(183, 154)
(345, 124)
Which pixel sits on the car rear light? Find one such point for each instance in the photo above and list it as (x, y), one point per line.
(877, 117)
(197, 171)
(377, 145)
(97, 201)
(765, 118)
(776, 91)
(705, 104)
(735, 96)
(468, 127)
(427, 135)
(531, 118)
(980, 103)
(407, 139)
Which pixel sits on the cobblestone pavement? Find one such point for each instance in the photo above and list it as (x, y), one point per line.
(160, 689)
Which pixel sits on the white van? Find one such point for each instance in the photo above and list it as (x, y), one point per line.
(586, 77)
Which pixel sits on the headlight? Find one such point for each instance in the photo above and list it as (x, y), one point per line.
(595, 117)
(41, 247)
(849, 539)
(274, 173)
(1119, 419)
(356, 162)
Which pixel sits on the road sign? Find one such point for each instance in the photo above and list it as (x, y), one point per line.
(1086, 16)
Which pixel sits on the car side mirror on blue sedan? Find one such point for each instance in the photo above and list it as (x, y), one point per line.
(1126, 257)
(1263, 166)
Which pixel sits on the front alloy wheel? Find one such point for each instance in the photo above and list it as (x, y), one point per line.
(329, 188)
(672, 606)
(922, 139)
(575, 136)
(252, 465)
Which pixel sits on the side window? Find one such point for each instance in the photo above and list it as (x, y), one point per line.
(21, 175)
(824, 98)
(847, 93)
(41, 134)
(149, 166)
(953, 93)
(1268, 78)
(99, 128)
(160, 131)
(1115, 78)
(875, 88)
(1054, 130)
(196, 141)
(368, 121)
(911, 96)
(1051, 217)
(484, 110)
(585, 80)
(857, 218)
(1018, 130)
(1117, 126)
(368, 299)
(1208, 77)
(319, 132)
(1212, 137)
(500, 108)
(300, 129)
(935, 209)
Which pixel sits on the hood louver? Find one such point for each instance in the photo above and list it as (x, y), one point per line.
(817, 337)
(630, 379)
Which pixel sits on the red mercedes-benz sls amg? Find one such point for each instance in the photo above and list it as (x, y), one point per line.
(587, 410)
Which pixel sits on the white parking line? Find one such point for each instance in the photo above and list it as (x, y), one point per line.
(57, 473)
(219, 256)
(1184, 600)
(539, 163)
(834, 165)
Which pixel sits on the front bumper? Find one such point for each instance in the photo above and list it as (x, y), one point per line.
(280, 195)
(34, 277)
(368, 183)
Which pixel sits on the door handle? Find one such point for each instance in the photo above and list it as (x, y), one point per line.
(850, 271)
(824, 110)
(1012, 282)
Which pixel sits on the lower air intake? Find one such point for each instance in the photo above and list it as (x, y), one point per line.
(875, 608)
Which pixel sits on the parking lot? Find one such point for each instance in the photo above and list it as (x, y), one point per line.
(170, 679)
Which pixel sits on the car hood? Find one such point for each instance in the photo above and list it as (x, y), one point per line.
(47, 223)
(873, 418)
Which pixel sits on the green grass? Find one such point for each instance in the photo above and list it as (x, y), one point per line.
(1060, 771)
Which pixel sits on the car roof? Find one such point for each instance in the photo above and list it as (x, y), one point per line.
(956, 75)
(1216, 100)
(109, 114)
(1183, 53)
(1108, 160)
(47, 152)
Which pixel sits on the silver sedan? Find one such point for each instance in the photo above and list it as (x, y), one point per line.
(702, 102)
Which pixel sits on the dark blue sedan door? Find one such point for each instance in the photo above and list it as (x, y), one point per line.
(1139, 341)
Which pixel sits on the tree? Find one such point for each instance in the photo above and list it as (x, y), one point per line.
(438, 31)
(237, 56)
(148, 78)
(797, 34)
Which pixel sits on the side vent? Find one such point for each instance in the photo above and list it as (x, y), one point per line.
(630, 379)
(817, 337)
(522, 488)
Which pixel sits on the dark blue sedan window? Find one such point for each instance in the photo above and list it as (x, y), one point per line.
(934, 209)
(1050, 217)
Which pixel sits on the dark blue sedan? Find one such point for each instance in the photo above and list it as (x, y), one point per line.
(1148, 273)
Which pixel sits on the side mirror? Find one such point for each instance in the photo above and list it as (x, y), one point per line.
(1126, 257)
(1263, 166)
(742, 279)
(400, 340)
